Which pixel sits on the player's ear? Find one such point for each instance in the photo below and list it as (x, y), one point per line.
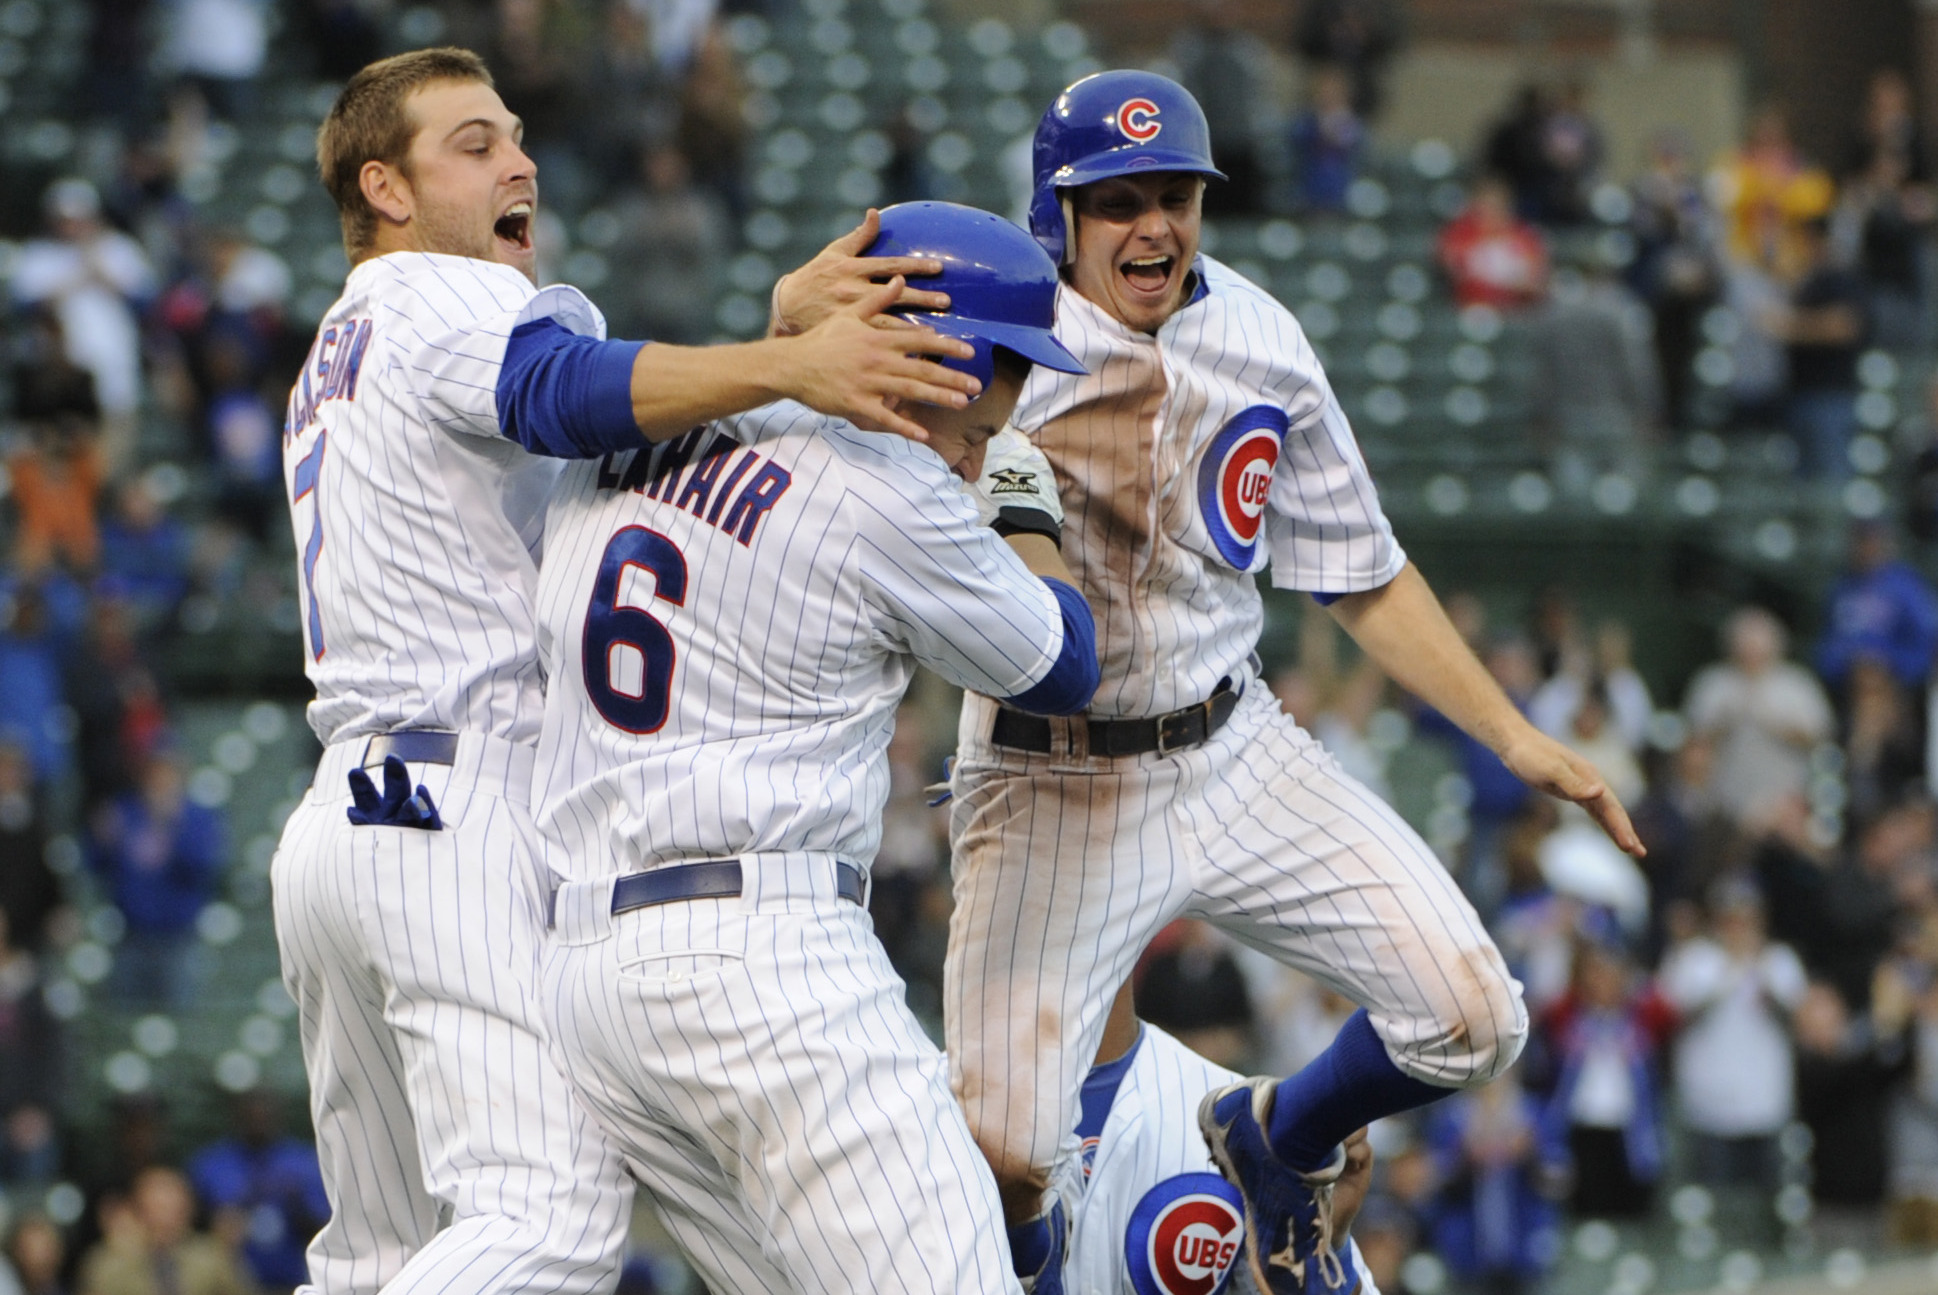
(386, 190)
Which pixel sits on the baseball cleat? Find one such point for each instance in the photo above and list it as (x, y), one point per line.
(1288, 1215)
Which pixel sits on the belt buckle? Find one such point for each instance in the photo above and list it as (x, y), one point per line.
(1174, 731)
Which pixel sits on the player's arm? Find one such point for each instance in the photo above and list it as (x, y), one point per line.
(1403, 628)
(996, 616)
(1073, 677)
(568, 395)
(1327, 533)
(855, 364)
(1016, 497)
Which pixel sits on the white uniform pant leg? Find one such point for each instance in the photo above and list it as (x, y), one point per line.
(434, 1098)
(1299, 860)
(768, 1060)
(380, 1213)
(1062, 876)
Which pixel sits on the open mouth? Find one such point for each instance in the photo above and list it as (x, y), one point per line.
(1148, 273)
(515, 226)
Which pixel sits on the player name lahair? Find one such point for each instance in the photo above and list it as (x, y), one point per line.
(733, 493)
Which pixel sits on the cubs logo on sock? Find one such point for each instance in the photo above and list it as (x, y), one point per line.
(1235, 479)
(1184, 1236)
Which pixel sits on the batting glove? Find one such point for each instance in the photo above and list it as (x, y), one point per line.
(1016, 494)
(399, 806)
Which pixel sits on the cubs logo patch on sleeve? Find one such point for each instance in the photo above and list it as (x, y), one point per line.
(1184, 1236)
(1235, 480)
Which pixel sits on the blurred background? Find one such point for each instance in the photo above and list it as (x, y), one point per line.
(1630, 302)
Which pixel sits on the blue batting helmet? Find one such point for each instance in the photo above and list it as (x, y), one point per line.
(1108, 124)
(1002, 288)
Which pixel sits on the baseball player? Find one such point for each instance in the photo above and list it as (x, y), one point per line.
(1153, 1215)
(1203, 444)
(408, 919)
(728, 623)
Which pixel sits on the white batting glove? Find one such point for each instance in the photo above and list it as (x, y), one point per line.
(1016, 493)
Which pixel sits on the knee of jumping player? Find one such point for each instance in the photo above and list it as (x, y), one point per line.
(1020, 1182)
(1472, 1039)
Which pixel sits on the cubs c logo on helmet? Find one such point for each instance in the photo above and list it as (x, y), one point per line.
(1184, 1235)
(1235, 480)
(1137, 120)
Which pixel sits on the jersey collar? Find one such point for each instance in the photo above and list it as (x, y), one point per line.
(1200, 286)
(1100, 1089)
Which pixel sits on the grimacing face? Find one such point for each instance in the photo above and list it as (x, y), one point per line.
(469, 187)
(1136, 237)
(961, 436)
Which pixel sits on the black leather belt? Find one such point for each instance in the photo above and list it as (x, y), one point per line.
(412, 746)
(716, 879)
(1120, 737)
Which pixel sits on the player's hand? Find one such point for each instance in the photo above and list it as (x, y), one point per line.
(839, 276)
(848, 367)
(1017, 489)
(1546, 765)
(1349, 1193)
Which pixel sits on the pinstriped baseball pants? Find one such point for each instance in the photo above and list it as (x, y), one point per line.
(756, 1060)
(1066, 865)
(454, 1154)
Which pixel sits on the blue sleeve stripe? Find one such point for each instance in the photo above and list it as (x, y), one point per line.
(567, 396)
(1072, 680)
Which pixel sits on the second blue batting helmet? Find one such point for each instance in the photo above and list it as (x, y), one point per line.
(1002, 288)
(1109, 124)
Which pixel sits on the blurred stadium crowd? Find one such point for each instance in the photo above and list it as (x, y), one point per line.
(1735, 1064)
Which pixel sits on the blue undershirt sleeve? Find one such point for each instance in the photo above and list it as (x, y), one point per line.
(565, 395)
(1072, 680)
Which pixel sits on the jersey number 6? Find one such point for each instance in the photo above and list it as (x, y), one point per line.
(628, 654)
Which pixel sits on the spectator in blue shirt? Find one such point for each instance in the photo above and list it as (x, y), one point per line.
(144, 555)
(265, 1189)
(30, 681)
(1328, 141)
(161, 856)
(1881, 610)
(1495, 1222)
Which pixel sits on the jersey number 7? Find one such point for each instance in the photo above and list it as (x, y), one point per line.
(627, 653)
(309, 482)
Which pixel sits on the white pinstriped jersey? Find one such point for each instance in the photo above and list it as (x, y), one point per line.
(417, 523)
(755, 596)
(1186, 461)
(1155, 1217)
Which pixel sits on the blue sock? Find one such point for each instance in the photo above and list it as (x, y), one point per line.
(1349, 1085)
(1033, 1244)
